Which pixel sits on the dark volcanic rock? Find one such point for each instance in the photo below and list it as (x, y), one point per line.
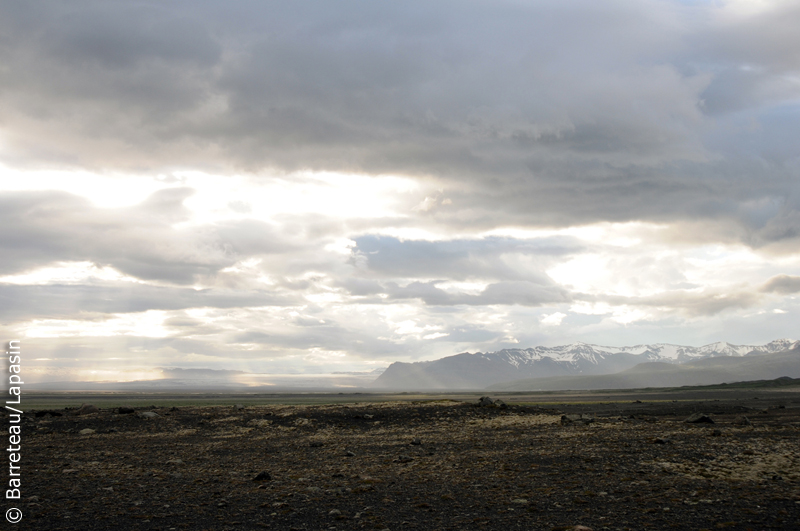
(485, 401)
(576, 419)
(44, 413)
(518, 468)
(86, 409)
(699, 418)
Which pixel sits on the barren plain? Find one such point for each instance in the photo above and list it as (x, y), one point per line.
(549, 462)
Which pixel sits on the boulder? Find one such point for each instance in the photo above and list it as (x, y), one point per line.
(485, 401)
(699, 418)
(86, 409)
(262, 476)
(566, 420)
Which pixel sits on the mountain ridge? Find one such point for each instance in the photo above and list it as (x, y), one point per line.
(480, 370)
(705, 371)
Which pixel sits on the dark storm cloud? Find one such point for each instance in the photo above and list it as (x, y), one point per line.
(117, 35)
(535, 114)
(39, 228)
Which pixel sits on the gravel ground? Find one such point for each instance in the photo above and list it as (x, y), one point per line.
(426, 465)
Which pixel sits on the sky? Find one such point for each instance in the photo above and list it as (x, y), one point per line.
(317, 187)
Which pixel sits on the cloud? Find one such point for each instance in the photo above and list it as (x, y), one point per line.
(38, 228)
(750, 55)
(690, 304)
(782, 284)
(535, 115)
(509, 292)
(21, 303)
(459, 259)
(553, 319)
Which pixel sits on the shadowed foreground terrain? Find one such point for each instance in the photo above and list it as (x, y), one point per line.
(418, 465)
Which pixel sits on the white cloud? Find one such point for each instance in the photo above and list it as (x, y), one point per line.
(67, 273)
(553, 319)
(114, 190)
(624, 315)
(146, 324)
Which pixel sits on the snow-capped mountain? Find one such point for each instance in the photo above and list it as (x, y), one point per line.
(479, 370)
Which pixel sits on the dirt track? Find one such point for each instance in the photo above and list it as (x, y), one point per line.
(431, 465)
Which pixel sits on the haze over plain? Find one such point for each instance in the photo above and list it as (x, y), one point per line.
(316, 187)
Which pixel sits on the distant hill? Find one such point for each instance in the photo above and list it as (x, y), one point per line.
(783, 381)
(703, 372)
(564, 363)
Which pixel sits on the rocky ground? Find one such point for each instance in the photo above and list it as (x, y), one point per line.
(425, 465)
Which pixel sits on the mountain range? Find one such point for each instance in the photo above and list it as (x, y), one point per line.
(568, 366)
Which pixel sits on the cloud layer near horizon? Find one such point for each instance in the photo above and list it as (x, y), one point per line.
(360, 182)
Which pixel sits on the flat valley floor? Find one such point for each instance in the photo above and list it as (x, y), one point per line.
(424, 464)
